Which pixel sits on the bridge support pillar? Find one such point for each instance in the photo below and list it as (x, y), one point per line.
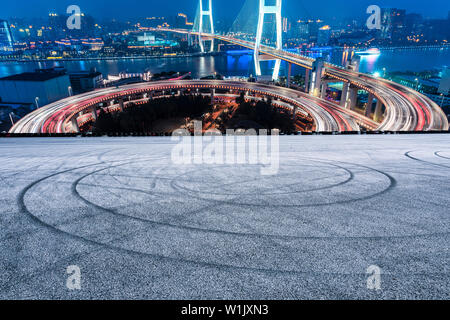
(353, 98)
(316, 77)
(94, 113)
(121, 104)
(288, 79)
(207, 13)
(307, 74)
(294, 113)
(213, 93)
(369, 105)
(344, 94)
(75, 124)
(263, 10)
(354, 63)
(378, 110)
(323, 90)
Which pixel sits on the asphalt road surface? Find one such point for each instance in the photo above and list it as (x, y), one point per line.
(140, 227)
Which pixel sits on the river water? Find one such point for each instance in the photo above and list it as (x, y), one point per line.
(240, 63)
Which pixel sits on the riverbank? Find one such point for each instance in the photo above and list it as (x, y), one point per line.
(235, 64)
(168, 56)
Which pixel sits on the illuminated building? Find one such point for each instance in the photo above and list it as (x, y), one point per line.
(6, 38)
(444, 86)
(393, 24)
(323, 35)
(147, 40)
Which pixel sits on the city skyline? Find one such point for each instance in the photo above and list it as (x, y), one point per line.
(224, 9)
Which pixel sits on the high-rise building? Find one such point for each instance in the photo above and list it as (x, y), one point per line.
(56, 24)
(301, 30)
(323, 35)
(307, 30)
(55, 21)
(444, 86)
(413, 22)
(286, 25)
(436, 31)
(314, 26)
(6, 38)
(393, 24)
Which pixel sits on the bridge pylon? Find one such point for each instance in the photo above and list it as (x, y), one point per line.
(316, 78)
(263, 10)
(205, 13)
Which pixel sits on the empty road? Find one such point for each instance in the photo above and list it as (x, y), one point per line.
(140, 227)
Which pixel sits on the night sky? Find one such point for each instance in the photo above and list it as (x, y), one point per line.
(223, 8)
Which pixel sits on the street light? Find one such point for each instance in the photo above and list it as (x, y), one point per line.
(37, 102)
(69, 88)
(11, 118)
(442, 101)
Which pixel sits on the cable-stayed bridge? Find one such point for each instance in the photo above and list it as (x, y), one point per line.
(404, 109)
(397, 108)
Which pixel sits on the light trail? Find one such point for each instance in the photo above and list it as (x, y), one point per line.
(56, 117)
(406, 109)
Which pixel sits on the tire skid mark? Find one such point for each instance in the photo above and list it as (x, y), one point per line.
(408, 154)
(392, 185)
(109, 245)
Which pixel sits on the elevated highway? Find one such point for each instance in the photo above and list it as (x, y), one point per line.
(405, 109)
(69, 114)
